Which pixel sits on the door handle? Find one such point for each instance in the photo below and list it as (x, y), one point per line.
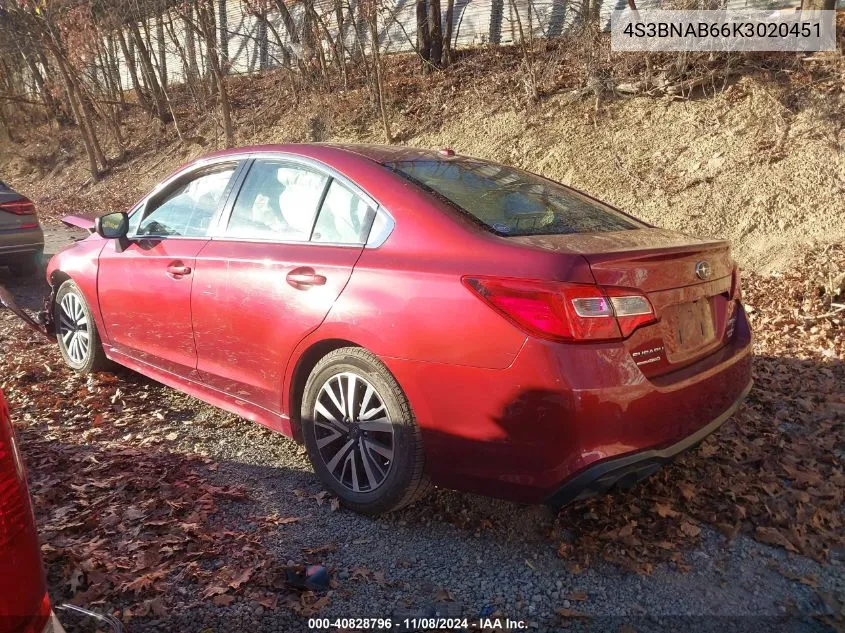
(178, 269)
(301, 278)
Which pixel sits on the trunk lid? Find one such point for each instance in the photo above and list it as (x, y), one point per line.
(688, 281)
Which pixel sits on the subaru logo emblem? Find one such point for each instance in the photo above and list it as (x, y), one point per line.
(703, 270)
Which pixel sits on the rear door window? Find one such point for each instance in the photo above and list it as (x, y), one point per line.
(512, 202)
(344, 218)
(277, 201)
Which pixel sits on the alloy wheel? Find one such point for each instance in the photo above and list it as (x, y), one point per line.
(73, 328)
(354, 433)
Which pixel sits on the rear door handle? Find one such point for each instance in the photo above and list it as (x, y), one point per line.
(302, 278)
(178, 269)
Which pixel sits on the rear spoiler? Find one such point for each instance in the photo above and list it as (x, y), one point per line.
(79, 222)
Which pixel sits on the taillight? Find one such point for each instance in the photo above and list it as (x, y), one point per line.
(564, 311)
(736, 284)
(18, 207)
(631, 310)
(24, 603)
(15, 511)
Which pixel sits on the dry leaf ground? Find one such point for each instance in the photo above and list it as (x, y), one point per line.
(175, 516)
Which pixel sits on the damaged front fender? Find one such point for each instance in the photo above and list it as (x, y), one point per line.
(42, 323)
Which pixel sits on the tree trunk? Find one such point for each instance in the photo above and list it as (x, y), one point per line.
(191, 68)
(114, 69)
(529, 68)
(341, 47)
(77, 94)
(287, 20)
(223, 38)
(7, 128)
(309, 52)
(374, 41)
(423, 34)
(103, 69)
(435, 32)
(133, 72)
(205, 17)
(150, 79)
(358, 37)
(595, 10)
(80, 116)
(447, 33)
(331, 41)
(162, 51)
(818, 5)
(53, 111)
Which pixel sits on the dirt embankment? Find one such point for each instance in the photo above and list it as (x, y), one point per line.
(761, 163)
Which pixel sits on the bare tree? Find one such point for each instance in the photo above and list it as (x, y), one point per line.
(203, 23)
(423, 33)
(447, 32)
(371, 9)
(818, 5)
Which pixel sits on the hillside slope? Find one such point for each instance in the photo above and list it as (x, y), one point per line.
(758, 163)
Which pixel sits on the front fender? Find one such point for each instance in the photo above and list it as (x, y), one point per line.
(80, 262)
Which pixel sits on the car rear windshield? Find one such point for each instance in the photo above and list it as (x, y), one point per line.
(510, 201)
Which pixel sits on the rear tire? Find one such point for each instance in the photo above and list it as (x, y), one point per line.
(369, 454)
(76, 332)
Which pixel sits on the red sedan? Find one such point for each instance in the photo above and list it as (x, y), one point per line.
(415, 316)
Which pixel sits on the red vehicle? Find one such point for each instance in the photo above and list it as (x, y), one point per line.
(415, 316)
(24, 603)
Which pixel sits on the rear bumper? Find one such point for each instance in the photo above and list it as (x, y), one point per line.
(559, 411)
(17, 243)
(627, 470)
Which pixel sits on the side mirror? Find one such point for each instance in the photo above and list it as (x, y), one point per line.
(112, 225)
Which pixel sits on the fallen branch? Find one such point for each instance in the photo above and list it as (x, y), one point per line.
(838, 308)
(685, 86)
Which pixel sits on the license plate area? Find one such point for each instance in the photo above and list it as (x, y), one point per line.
(688, 329)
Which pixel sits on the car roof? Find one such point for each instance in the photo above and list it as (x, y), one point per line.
(377, 153)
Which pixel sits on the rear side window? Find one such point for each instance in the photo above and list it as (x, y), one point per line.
(277, 202)
(512, 202)
(344, 218)
(187, 211)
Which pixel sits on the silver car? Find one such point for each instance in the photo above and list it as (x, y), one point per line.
(21, 238)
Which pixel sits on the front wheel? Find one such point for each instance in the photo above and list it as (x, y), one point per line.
(76, 332)
(361, 434)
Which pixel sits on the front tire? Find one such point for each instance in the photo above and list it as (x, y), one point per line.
(360, 433)
(76, 332)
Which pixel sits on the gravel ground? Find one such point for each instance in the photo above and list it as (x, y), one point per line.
(463, 555)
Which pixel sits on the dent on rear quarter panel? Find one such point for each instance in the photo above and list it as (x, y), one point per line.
(80, 262)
